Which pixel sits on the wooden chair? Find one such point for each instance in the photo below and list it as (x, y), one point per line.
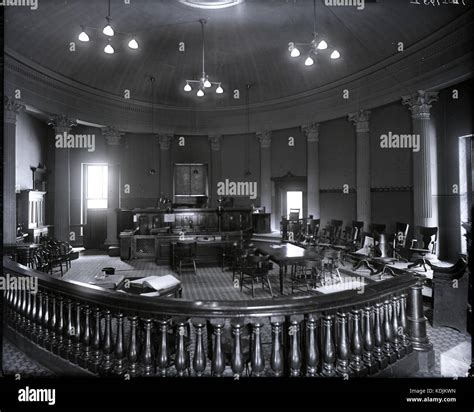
(429, 237)
(185, 255)
(400, 239)
(255, 268)
(305, 275)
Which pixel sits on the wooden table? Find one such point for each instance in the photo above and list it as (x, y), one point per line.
(285, 254)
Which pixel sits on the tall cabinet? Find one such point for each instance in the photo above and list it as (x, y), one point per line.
(31, 214)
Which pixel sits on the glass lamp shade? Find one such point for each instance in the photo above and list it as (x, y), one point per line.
(322, 45)
(207, 83)
(219, 90)
(335, 55)
(309, 61)
(84, 36)
(187, 88)
(108, 30)
(133, 44)
(200, 93)
(295, 52)
(109, 49)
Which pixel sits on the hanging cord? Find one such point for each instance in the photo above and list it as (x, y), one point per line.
(247, 149)
(152, 79)
(203, 22)
(314, 21)
(108, 14)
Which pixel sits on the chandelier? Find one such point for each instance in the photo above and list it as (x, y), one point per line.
(314, 48)
(109, 32)
(203, 83)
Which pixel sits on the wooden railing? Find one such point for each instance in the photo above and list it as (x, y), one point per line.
(111, 334)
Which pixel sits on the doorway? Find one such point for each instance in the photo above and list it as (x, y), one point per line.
(294, 201)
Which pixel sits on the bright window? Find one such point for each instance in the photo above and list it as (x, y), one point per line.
(294, 200)
(95, 188)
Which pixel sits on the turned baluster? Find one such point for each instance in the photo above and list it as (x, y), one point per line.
(328, 355)
(218, 358)
(85, 355)
(276, 357)
(39, 318)
(182, 356)
(119, 368)
(163, 357)
(27, 327)
(343, 351)
(56, 346)
(106, 364)
(147, 356)
(45, 339)
(8, 305)
(22, 324)
(77, 347)
(94, 362)
(237, 362)
(397, 332)
(403, 325)
(379, 354)
(199, 360)
(368, 357)
(416, 318)
(19, 299)
(388, 335)
(312, 354)
(357, 365)
(257, 361)
(295, 360)
(52, 325)
(13, 299)
(66, 348)
(133, 347)
(32, 317)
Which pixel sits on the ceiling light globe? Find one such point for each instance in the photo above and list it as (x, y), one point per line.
(295, 52)
(335, 55)
(108, 30)
(83, 36)
(322, 45)
(187, 88)
(200, 93)
(219, 90)
(309, 61)
(109, 49)
(207, 83)
(133, 44)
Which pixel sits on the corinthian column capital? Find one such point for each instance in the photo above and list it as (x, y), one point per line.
(311, 131)
(164, 139)
(112, 135)
(61, 123)
(216, 142)
(419, 103)
(11, 108)
(361, 120)
(265, 139)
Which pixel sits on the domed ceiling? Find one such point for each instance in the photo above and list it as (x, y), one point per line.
(246, 42)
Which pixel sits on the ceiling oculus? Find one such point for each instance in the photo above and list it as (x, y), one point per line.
(314, 48)
(109, 32)
(211, 4)
(203, 83)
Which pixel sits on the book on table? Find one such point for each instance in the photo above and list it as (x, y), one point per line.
(109, 282)
(157, 284)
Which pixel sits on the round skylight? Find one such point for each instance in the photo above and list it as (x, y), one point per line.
(211, 4)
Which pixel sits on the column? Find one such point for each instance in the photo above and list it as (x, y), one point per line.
(112, 137)
(424, 161)
(265, 139)
(11, 108)
(165, 166)
(312, 136)
(62, 124)
(361, 123)
(216, 167)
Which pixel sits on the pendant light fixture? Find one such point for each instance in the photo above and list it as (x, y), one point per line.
(314, 47)
(203, 83)
(108, 30)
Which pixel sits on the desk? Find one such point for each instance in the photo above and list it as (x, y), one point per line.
(285, 254)
(207, 250)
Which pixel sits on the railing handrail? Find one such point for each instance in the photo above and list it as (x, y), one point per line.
(280, 306)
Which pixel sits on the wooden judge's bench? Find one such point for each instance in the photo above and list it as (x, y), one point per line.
(151, 233)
